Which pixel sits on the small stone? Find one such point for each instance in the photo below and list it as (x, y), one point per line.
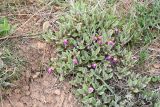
(0, 53)
(26, 87)
(47, 91)
(28, 93)
(50, 99)
(6, 104)
(19, 104)
(57, 92)
(28, 74)
(157, 66)
(46, 83)
(39, 45)
(42, 98)
(35, 95)
(36, 75)
(70, 97)
(17, 91)
(46, 26)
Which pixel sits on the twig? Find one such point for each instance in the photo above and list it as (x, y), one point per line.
(41, 14)
(1, 98)
(10, 102)
(10, 37)
(8, 15)
(108, 87)
(18, 36)
(154, 49)
(33, 16)
(63, 101)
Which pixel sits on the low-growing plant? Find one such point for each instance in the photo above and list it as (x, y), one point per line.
(94, 47)
(10, 65)
(4, 26)
(143, 55)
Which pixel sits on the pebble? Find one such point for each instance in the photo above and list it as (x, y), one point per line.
(36, 75)
(28, 93)
(57, 92)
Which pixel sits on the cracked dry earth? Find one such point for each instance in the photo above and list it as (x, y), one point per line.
(37, 88)
(42, 92)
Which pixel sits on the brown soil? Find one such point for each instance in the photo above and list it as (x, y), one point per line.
(42, 92)
(36, 88)
(153, 63)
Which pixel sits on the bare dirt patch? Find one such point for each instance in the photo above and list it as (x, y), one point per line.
(42, 92)
(35, 88)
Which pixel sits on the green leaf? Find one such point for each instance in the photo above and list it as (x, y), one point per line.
(61, 78)
(81, 46)
(100, 88)
(98, 103)
(110, 75)
(157, 104)
(4, 26)
(101, 93)
(85, 87)
(80, 91)
(135, 90)
(106, 99)
(110, 32)
(78, 27)
(100, 58)
(105, 76)
(97, 51)
(86, 38)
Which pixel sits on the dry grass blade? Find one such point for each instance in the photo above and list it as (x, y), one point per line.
(20, 27)
(17, 36)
